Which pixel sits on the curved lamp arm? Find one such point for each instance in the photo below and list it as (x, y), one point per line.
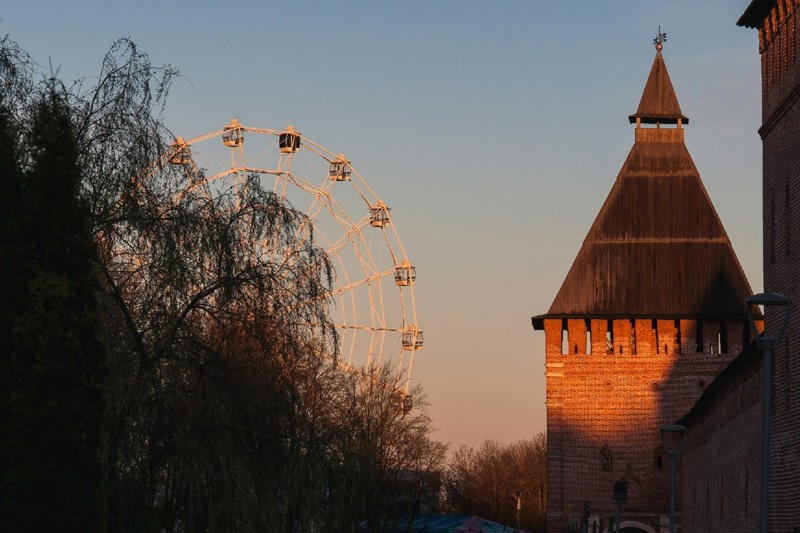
(769, 299)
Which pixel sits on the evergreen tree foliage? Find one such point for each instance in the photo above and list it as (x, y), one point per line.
(12, 282)
(56, 361)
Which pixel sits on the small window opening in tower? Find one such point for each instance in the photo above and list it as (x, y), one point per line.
(606, 459)
(658, 458)
(564, 339)
(677, 343)
(588, 338)
(633, 337)
(698, 337)
(654, 327)
(609, 340)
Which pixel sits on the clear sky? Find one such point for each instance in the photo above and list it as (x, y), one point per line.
(493, 129)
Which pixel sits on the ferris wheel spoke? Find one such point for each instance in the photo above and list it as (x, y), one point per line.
(342, 217)
(365, 281)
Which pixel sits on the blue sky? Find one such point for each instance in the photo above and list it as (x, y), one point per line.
(493, 129)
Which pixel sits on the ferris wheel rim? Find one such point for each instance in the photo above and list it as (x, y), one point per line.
(325, 200)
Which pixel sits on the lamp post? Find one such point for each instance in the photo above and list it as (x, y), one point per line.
(518, 498)
(767, 344)
(672, 439)
(620, 496)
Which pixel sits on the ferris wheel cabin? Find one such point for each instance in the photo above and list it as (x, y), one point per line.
(405, 274)
(408, 404)
(379, 216)
(412, 339)
(181, 153)
(340, 169)
(289, 141)
(232, 134)
(405, 402)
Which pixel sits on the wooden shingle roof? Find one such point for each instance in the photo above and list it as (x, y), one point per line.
(659, 103)
(657, 247)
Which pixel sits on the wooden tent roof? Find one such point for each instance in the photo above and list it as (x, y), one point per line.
(657, 247)
(659, 103)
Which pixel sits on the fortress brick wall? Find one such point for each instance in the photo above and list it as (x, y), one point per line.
(724, 437)
(720, 463)
(611, 384)
(780, 134)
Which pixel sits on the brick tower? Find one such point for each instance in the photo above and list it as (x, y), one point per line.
(778, 24)
(650, 312)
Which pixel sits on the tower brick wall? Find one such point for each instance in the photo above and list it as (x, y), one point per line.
(605, 409)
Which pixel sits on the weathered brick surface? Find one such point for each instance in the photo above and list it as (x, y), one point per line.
(781, 144)
(613, 404)
(723, 454)
(720, 463)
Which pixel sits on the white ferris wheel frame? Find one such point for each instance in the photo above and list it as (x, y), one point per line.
(388, 332)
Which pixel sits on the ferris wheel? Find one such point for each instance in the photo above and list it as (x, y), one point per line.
(372, 292)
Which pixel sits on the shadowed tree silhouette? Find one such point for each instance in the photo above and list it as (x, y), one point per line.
(223, 411)
(55, 361)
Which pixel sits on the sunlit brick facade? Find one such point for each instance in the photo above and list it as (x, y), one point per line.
(650, 312)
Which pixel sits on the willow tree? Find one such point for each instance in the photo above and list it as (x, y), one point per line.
(222, 411)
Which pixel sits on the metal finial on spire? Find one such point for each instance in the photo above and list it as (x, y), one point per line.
(660, 39)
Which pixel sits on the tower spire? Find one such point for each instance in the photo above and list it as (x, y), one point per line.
(659, 105)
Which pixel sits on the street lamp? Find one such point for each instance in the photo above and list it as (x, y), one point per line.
(672, 439)
(767, 344)
(620, 496)
(517, 497)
